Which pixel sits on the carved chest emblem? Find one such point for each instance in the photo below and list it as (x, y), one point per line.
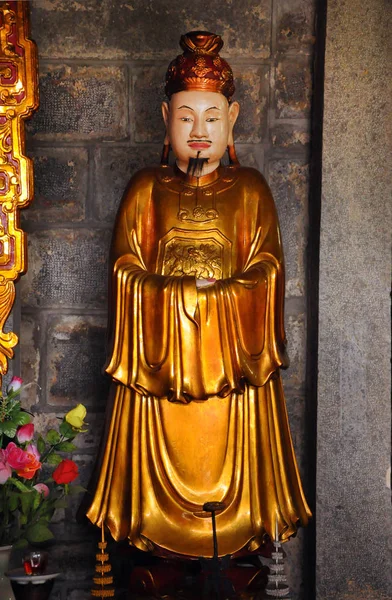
(200, 260)
(201, 254)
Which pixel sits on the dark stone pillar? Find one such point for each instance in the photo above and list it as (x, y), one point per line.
(353, 443)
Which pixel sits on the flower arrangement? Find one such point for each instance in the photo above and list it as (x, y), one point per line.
(28, 498)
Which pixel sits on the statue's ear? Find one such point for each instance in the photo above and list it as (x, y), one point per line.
(234, 111)
(165, 114)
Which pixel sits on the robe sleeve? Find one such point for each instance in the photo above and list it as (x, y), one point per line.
(168, 339)
(241, 318)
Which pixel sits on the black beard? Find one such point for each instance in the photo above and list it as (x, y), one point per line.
(196, 165)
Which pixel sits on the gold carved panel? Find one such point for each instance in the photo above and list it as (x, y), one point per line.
(18, 100)
(200, 254)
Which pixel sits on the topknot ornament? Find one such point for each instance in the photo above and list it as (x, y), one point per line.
(200, 67)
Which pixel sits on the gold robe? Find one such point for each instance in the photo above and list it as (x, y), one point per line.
(197, 410)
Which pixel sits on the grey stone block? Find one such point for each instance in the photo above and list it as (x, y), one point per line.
(294, 376)
(81, 102)
(60, 185)
(252, 90)
(291, 137)
(67, 268)
(113, 170)
(250, 155)
(76, 353)
(89, 441)
(30, 357)
(293, 88)
(147, 94)
(289, 181)
(76, 562)
(295, 25)
(138, 30)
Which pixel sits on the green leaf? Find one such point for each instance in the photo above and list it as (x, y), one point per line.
(13, 501)
(21, 486)
(66, 447)
(54, 459)
(41, 444)
(67, 430)
(76, 489)
(22, 543)
(26, 501)
(38, 533)
(53, 437)
(9, 428)
(38, 498)
(23, 519)
(47, 516)
(23, 418)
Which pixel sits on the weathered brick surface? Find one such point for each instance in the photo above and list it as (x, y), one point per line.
(89, 441)
(250, 155)
(81, 102)
(140, 30)
(294, 376)
(291, 137)
(75, 561)
(113, 170)
(293, 88)
(67, 268)
(295, 25)
(30, 361)
(252, 85)
(60, 185)
(148, 92)
(289, 184)
(76, 355)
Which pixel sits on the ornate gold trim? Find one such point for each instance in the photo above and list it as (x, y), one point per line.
(18, 100)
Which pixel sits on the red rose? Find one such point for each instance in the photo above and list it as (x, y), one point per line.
(66, 472)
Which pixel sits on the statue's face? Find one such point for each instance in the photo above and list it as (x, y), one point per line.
(199, 122)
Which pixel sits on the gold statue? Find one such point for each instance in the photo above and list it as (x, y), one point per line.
(197, 411)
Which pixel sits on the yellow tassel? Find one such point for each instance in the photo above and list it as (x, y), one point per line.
(102, 567)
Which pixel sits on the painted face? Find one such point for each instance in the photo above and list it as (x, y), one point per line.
(201, 123)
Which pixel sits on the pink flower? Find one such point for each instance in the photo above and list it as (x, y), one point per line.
(26, 464)
(5, 472)
(14, 385)
(32, 448)
(42, 489)
(30, 469)
(15, 456)
(25, 433)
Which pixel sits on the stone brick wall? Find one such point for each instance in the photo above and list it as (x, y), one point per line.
(102, 65)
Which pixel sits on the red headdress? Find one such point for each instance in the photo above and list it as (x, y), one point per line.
(200, 67)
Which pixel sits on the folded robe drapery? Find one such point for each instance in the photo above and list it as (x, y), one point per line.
(197, 410)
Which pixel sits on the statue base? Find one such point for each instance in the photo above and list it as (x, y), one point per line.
(168, 579)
